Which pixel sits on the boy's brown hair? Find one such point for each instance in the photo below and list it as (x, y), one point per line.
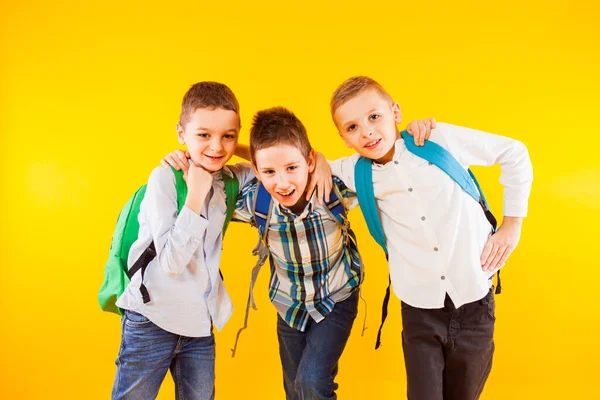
(353, 87)
(276, 126)
(207, 95)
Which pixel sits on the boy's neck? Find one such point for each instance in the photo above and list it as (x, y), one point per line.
(299, 207)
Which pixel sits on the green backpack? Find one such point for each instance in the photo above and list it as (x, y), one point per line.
(116, 274)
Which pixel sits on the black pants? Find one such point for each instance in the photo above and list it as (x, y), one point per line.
(448, 351)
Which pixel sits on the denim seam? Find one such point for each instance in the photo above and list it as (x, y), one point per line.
(118, 362)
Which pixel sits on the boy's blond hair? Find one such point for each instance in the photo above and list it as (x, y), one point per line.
(207, 95)
(277, 126)
(353, 87)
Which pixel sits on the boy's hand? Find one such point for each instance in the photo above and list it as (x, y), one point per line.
(501, 244)
(177, 159)
(321, 178)
(199, 181)
(420, 129)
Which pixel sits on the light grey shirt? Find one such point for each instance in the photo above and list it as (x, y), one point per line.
(183, 280)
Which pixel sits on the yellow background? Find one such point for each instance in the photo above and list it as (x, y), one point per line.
(89, 97)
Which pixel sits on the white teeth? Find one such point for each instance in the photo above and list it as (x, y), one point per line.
(286, 193)
(373, 143)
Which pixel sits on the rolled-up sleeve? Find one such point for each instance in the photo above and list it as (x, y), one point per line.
(176, 237)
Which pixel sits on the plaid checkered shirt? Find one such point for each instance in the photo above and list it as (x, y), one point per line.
(313, 263)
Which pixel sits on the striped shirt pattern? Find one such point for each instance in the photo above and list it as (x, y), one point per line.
(313, 263)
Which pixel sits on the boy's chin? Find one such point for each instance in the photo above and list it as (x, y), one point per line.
(295, 202)
(376, 155)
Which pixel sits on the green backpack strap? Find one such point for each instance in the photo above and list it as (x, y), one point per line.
(232, 189)
(181, 187)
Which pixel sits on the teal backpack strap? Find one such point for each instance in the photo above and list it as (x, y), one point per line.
(363, 179)
(232, 189)
(441, 158)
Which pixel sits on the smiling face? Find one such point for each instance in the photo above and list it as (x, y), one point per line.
(284, 172)
(367, 123)
(211, 136)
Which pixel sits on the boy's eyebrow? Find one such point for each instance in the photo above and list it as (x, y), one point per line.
(286, 165)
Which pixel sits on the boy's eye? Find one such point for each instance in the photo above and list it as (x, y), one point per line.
(373, 117)
(268, 172)
(203, 135)
(229, 136)
(292, 167)
(351, 127)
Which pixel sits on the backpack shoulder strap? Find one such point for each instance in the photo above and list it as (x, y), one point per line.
(363, 179)
(262, 208)
(181, 188)
(441, 158)
(232, 189)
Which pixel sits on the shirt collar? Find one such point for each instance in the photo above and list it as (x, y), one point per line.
(399, 147)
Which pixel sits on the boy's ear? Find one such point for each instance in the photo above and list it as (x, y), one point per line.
(180, 133)
(397, 112)
(255, 170)
(311, 161)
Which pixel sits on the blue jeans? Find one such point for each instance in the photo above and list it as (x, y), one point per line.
(147, 352)
(310, 359)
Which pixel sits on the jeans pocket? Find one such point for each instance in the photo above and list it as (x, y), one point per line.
(135, 319)
(491, 307)
(489, 303)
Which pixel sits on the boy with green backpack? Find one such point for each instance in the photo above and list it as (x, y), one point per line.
(426, 210)
(176, 292)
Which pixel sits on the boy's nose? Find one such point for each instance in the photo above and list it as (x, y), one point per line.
(282, 182)
(215, 145)
(368, 132)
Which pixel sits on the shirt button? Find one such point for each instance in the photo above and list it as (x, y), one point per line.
(410, 189)
(396, 162)
(429, 163)
(212, 206)
(423, 218)
(443, 277)
(435, 249)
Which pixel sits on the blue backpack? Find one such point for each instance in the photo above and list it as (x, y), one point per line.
(262, 209)
(441, 158)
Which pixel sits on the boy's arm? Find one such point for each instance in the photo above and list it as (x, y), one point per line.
(243, 205)
(243, 151)
(475, 147)
(321, 178)
(349, 198)
(176, 236)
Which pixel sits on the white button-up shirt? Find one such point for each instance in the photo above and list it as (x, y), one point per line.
(183, 280)
(435, 232)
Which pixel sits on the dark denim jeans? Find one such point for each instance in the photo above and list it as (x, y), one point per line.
(448, 351)
(148, 352)
(310, 359)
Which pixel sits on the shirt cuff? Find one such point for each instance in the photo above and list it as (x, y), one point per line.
(514, 208)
